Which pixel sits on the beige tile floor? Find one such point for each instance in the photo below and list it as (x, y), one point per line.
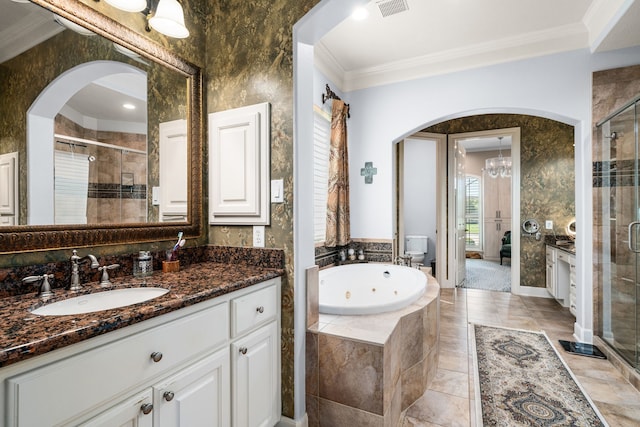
(450, 399)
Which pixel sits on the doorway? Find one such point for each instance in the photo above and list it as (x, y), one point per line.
(449, 256)
(497, 214)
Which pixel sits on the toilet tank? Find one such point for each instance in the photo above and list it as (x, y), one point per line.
(416, 243)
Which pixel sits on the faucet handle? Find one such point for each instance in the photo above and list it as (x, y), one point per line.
(45, 287)
(104, 279)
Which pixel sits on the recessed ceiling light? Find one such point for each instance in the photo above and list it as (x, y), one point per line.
(359, 13)
(129, 106)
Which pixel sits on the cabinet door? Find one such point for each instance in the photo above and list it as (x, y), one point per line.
(504, 197)
(239, 186)
(493, 238)
(173, 170)
(134, 412)
(196, 396)
(490, 195)
(255, 385)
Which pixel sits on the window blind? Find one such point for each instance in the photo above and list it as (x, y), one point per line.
(321, 135)
(71, 181)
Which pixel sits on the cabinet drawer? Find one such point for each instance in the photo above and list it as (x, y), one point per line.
(563, 256)
(113, 368)
(251, 310)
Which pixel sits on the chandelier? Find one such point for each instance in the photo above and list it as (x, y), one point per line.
(498, 166)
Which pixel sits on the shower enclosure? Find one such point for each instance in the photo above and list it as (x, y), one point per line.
(616, 178)
(99, 183)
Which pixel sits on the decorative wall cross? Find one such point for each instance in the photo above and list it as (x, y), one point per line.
(368, 171)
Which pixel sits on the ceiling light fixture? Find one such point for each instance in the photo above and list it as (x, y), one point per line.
(168, 19)
(498, 166)
(360, 13)
(164, 16)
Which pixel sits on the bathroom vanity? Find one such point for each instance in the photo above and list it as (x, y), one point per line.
(561, 274)
(205, 353)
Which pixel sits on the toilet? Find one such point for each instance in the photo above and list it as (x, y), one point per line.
(416, 246)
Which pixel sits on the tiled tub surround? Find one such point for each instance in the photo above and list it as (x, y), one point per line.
(365, 370)
(25, 335)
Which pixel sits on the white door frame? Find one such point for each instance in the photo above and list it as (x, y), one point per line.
(514, 134)
(440, 199)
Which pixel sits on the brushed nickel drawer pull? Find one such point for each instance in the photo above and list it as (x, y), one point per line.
(168, 396)
(243, 350)
(146, 408)
(260, 309)
(156, 356)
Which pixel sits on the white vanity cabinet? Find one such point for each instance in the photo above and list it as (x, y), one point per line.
(572, 284)
(172, 370)
(132, 412)
(551, 270)
(561, 277)
(196, 396)
(255, 361)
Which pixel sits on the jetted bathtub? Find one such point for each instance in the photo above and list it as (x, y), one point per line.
(369, 288)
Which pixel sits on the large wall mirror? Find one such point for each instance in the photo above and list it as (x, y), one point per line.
(100, 132)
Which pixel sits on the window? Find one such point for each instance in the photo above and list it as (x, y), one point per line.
(321, 135)
(472, 213)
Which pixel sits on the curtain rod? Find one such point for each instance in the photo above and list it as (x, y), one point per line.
(332, 95)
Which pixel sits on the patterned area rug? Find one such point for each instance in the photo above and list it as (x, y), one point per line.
(522, 381)
(487, 275)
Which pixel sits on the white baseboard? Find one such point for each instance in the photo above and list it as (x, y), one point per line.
(530, 291)
(288, 422)
(582, 334)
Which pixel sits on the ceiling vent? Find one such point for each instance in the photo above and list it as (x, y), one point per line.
(391, 7)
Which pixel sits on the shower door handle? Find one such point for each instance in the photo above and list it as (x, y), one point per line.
(631, 243)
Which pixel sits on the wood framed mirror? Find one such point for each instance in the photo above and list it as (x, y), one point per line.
(34, 236)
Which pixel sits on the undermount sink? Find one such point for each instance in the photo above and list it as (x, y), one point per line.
(99, 301)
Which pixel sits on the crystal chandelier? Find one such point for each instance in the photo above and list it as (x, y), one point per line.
(498, 166)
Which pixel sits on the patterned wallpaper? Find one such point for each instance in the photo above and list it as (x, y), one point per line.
(250, 60)
(546, 182)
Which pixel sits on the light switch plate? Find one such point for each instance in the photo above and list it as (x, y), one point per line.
(155, 196)
(277, 191)
(548, 224)
(258, 236)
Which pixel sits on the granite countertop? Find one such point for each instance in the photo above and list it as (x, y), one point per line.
(25, 335)
(567, 247)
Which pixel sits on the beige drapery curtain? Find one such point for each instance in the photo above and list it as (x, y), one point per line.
(338, 227)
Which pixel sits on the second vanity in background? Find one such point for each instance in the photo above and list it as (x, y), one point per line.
(561, 274)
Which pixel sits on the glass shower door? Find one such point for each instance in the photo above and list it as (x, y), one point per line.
(620, 233)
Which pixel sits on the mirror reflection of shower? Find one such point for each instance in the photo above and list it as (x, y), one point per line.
(98, 182)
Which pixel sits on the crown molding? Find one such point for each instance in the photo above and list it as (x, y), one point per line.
(560, 39)
(327, 64)
(601, 17)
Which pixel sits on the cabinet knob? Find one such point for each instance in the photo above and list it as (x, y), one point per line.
(156, 356)
(243, 350)
(260, 309)
(168, 396)
(146, 408)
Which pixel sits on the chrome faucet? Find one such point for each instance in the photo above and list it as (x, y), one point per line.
(45, 288)
(75, 276)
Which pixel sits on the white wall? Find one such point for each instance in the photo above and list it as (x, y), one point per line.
(420, 191)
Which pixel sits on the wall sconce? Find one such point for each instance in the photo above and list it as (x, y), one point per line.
(164, 16)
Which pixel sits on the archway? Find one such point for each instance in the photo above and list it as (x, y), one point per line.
(40, 129)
